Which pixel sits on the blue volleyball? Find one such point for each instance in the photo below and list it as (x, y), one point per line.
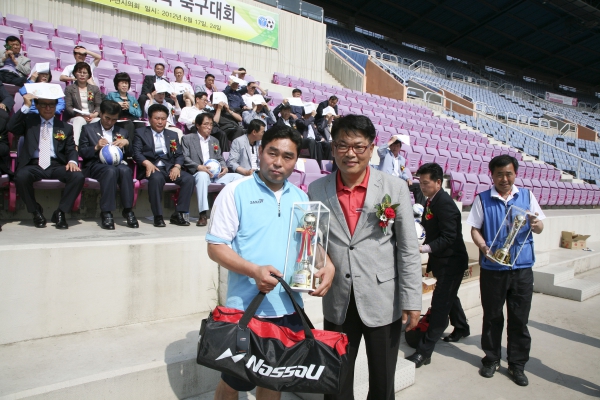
(214, 166)
(111, 155)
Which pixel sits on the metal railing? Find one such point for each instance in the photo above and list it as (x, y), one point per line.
(345, 72)
(450, 104)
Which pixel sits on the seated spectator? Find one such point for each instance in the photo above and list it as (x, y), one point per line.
(197, 149)
(160, 98)
(261, 112)
(208, 87)
(228, 121)
(148, 85)
(188, 114)
(391, 162)
(82, 100)
(285, 118)
(181, 88)
(14, 66)
(234, 97)
(80, 53)
(331, 102)
(93, 138)
(6, 105)
(42, 77)
(251, 89)
(243, 157)
(309, 130)
(48, 152)
(240, 73)
(158, 154)
(297, 111)
(130, 108)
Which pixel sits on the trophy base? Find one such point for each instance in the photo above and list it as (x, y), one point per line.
(491, 258)
(302, 290)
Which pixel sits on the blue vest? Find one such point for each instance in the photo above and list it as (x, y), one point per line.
(494, 211)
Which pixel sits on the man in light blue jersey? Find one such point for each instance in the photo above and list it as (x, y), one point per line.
(248, 234)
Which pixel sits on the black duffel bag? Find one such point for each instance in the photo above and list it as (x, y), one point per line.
(271, 356)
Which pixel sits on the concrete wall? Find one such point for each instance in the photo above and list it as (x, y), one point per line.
(586, 133)
(381, 83)
(62, 288)
(298, 37)
(466, 107)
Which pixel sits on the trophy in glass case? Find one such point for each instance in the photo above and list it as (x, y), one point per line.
(307, 245)
(505, 248)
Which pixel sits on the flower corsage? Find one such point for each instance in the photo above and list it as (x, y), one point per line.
(59, 135)
(90, 96)
(173, 146)
(386, 212)
(216, 148)
(428, 214)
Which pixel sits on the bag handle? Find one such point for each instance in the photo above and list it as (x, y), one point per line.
(253, 307)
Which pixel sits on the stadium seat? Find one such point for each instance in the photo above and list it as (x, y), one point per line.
(111, 42)
(16, 21)
(43, 27)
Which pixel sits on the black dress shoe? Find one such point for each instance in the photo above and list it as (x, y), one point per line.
(159, 222)
(456, 335)
(419, 360)
(202, 219)
(108, 222)
(132, 221)
(178, 219)
(518, 376)
(38, 219)
(488, 370)
(60, 220)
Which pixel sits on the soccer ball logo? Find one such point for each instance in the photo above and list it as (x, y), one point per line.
(266, 23)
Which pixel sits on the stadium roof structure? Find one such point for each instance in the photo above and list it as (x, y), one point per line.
(557, 39)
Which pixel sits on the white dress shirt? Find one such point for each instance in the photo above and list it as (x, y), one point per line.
(204, 148)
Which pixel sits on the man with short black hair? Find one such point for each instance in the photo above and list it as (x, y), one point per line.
(208, 87)
(148, 85)
(310, 132)
(502, 284)
(182, 89)
(188, 114)
(331, 102)
(159, 157)
(14, 66)
(93, 138)
(448, 259)
(197, 150)
(296, 111)
(48, 152)
(247, 214)
(80, 53)
(243, 157)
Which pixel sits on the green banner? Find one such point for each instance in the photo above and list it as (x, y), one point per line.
(228, 18)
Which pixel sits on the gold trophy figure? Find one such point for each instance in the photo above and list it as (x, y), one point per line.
(502, 255)
(303, 271)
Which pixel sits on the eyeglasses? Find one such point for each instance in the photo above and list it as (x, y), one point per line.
(358, 149)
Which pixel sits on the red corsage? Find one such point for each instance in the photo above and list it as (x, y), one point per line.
(172, 111)
(173, 146)
(216, 148)
(385, 212)
(119, 136)
(428, 214)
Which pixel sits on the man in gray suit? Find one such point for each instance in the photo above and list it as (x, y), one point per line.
(377, 283)
(197, 149)
(243, 156)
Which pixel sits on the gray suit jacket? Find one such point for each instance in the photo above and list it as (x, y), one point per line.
(239, 154)
(383, 270)
(192, 153)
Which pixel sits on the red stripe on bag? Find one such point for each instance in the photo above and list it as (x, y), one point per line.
(287, 336)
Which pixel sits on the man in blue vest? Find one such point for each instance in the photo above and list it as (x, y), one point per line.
(501, 284)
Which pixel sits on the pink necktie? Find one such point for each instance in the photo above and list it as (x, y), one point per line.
(45, 138)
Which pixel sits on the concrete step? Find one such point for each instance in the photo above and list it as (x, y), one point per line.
(558, 278)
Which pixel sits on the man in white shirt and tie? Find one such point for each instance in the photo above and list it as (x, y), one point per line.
(48, 152)
(197, 149)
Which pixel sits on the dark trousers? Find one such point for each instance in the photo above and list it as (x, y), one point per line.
(382, 345)
(156, 183)
(26, 175)
(325, 151)
(12, 78)
(444, 303)
(515, 288)
(109, 176)
(314, 150)
(232, 129)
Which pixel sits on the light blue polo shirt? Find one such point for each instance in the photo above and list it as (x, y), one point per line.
(248, 217)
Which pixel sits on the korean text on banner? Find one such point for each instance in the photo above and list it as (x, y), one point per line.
(228, 18)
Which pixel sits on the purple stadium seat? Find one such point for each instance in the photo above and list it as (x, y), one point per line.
(34, 39)
(464, 165)
(168, 54)
(150, 50)
(17, 22)
(457, 182)
(137, 60)
(576, 194)
(89, 37)
(62, 45)
(67, 32)
(220, 86)
(475, 167)
(562, 194)
(115, 56)
(43, 27)
(6, 31)
(187, 58)
(111, 42)
(41, 55)
(66, 59)
(545, 195)
(204, 61)
(596, 199)
(327, 166)
(100, 74)
(127, 68)
(197, 71)
(108, 85)
(297, 179)
(442, 161)
(553, 199)
(570, 191)
(131, 47)
(413, 161)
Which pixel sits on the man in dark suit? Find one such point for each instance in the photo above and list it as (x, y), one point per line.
(48, 152)
(93, 138)
(158, 154)
(309, 130)
(331, 102)
(448, 260)
(148, 85)
(285, 118)
(6, 105)
(296, 110)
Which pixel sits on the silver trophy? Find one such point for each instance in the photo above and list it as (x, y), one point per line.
(516, 219)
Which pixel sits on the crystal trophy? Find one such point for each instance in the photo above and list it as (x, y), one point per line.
(307, 245)
(509, 239)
